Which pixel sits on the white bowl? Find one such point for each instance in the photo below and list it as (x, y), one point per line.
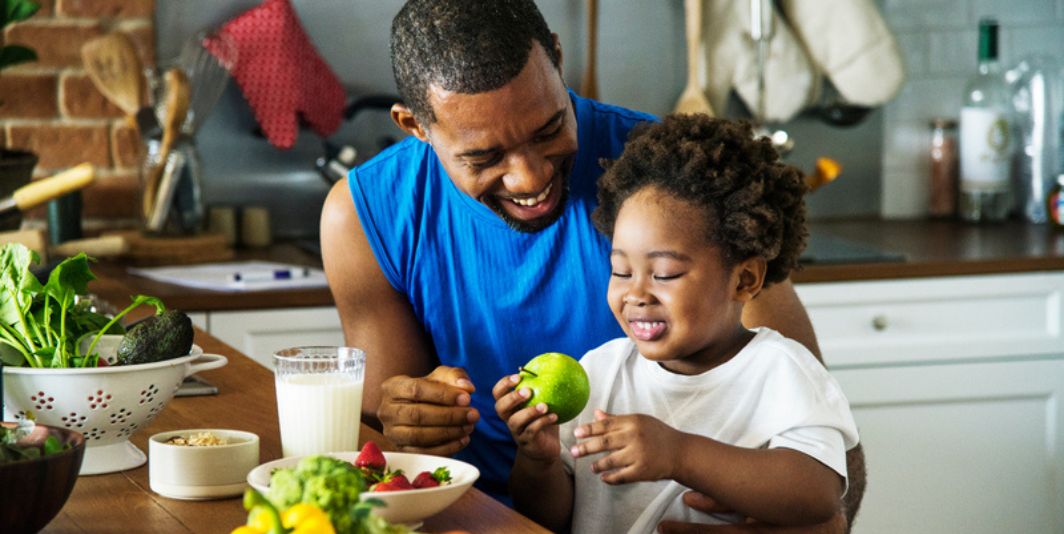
(201, 472)
(408, 506)
(106, 404)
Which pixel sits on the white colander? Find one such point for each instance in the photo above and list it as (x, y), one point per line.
(106, 404)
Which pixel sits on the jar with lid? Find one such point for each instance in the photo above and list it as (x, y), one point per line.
(944, 174)
(1055, 203)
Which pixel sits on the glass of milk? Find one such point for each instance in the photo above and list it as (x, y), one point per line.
(319, 398)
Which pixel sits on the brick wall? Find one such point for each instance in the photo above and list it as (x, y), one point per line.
(51, 107)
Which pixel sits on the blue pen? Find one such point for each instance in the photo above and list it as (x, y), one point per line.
(270, 275)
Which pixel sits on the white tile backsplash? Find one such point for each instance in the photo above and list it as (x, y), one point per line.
(922, 14)
(914, 53)
(1009, 12)
(952, 52)
(939, 40)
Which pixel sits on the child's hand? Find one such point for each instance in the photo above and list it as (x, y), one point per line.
(639, 447)
(532, 427)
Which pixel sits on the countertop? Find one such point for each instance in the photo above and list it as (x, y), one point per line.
(916, 248)
(124, 501)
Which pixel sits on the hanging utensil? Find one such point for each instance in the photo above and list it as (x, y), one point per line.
(175, 108)
(114, 67)
(693, 99)
(40, 191)
(207, 59)
(589, 83)
(761, 32)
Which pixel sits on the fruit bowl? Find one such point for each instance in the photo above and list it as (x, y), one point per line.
(106, 404)
(407, 506)
(36, 489)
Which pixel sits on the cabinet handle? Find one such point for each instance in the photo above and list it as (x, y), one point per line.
(879, 323)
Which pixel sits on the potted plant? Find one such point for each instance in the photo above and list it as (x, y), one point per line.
(16, 166)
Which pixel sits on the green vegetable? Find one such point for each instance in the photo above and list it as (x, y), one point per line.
(43, 325)
(333, 486)
(10, 451)
(157, 338)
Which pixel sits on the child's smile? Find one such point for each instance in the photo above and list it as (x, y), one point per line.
(670, 287)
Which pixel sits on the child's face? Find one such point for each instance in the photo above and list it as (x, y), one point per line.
(669, 288)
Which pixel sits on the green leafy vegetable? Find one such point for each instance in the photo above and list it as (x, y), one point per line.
(333, 486)
(11, 451)
(43, 325)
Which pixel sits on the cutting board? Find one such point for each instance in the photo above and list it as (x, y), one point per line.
(180, 250)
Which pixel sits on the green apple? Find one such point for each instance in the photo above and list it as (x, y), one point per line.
(557, 380)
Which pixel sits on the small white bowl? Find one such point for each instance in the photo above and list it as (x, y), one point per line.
(191, 472)
(408, 506)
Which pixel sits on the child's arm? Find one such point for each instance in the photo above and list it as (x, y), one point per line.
(779, 486)
(539, 484)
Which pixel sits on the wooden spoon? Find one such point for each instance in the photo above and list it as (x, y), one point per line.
(693, 99)
(177, 99)
(589, 83)
(115, 69)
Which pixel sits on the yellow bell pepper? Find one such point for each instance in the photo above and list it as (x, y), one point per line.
(306, 518)
(263, 518)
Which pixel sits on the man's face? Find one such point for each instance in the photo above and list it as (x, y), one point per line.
(512, 148)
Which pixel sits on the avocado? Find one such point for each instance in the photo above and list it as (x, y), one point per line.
(157, 338)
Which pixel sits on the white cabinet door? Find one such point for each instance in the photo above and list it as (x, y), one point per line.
(259, 333)
(890, 322)
(962, 447)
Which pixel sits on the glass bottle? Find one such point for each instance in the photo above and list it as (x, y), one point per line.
(986, 136)
(944, 178)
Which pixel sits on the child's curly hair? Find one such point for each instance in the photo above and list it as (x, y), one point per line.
(753, 203)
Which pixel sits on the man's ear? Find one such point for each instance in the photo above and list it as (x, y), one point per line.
(557, 49)
(404, 119)
(749, 277)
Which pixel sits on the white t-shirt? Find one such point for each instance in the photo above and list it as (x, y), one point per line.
(773, 393)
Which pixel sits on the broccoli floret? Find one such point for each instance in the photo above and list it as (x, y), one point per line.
(330, 484)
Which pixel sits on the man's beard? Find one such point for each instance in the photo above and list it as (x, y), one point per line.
(534, 225)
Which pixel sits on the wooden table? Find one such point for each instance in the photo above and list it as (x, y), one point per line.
(124, 502)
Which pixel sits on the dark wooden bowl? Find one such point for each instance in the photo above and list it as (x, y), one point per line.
(35, 490)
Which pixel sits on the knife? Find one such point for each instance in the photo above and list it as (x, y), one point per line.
(40, 191)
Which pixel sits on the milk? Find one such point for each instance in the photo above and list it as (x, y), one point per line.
(318, 412)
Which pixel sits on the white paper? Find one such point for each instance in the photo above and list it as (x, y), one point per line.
(219, 276)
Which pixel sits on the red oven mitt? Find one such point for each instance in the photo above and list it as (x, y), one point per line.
(281, 74)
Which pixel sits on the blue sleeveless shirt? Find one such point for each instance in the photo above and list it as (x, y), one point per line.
(491, 297)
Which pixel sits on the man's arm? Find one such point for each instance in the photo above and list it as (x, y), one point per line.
(778, 307)
(375, 317)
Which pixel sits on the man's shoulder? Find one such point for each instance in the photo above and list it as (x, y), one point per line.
(611, 113)
(408, 155)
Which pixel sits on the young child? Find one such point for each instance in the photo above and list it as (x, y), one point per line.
(702, 217)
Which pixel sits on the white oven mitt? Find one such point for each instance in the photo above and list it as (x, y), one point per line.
(791, 80)
(851, 45)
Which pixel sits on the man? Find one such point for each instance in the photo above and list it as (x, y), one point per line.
(464, 250)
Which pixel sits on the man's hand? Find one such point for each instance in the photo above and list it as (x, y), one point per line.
(533, 428)
(429, 415)
(704, 503)
(633, 444)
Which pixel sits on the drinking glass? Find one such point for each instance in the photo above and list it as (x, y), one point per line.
(319, 398)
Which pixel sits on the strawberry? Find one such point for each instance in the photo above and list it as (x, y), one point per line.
(371, 458)
(395, 481)
(426, 479)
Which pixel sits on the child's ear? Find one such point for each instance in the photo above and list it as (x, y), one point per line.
(749, 278)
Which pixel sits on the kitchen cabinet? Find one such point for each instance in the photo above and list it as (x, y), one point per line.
(957, 387)
(258, 333)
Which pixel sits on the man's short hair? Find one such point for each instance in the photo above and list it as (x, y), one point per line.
(464, 46)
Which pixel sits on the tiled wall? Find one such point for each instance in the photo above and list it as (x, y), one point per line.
(51, 107)
(939, 39)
